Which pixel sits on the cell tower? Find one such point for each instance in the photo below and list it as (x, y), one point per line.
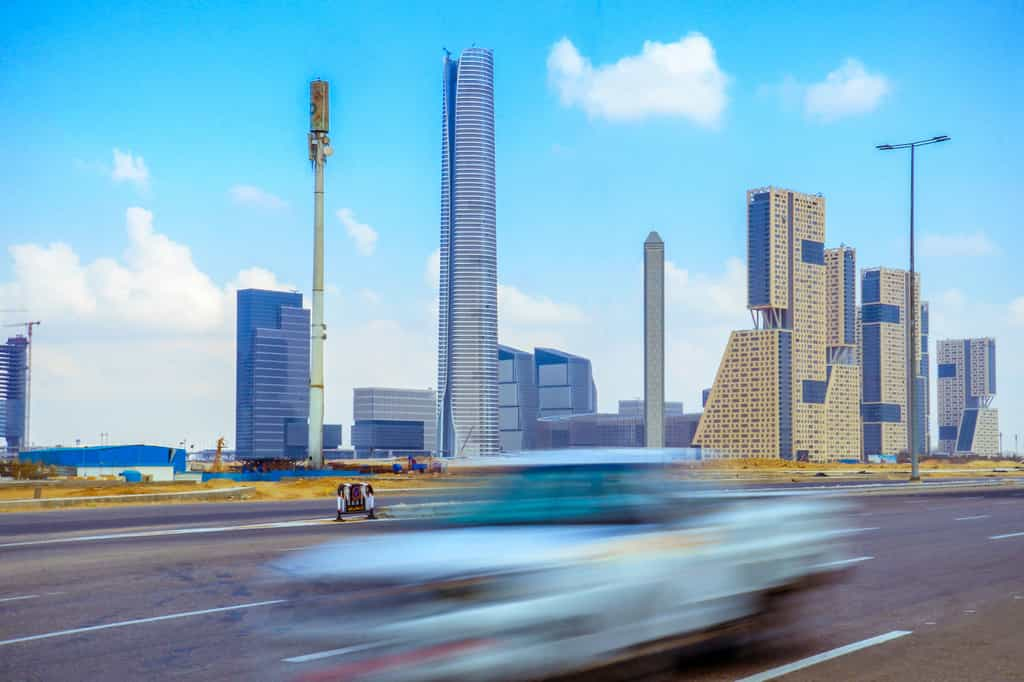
(319, 150)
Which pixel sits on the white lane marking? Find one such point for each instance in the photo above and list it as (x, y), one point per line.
(138, 621)
(171, 531)
(848, 531)
(296, 549)
(972, 518)
(24, 596)
(825, 656)
(1005, 535)
(330, 652)
(843, 562)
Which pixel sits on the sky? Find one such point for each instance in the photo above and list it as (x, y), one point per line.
(155, 161)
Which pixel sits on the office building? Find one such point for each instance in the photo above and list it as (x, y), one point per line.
(635, 408)
(885, 372)
(467, 383)
(770, 392)
(654, 341)
(388, 438)
(565, 383)
(603, 430)
(13, 386)
(842, 393)
(397, 404)
(517, 399)
(968, 424)
(272, 374)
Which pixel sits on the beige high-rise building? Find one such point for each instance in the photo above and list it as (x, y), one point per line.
(886, 375)
(770, 393)
(842, 398)
(968, 424)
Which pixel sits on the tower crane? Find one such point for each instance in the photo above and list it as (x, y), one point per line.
(28, 378)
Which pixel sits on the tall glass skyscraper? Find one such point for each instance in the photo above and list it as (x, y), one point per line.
(467, 351)
(272, 373)
(13, 384)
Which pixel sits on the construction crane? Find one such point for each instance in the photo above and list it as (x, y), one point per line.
(218, 465)
(28, 379)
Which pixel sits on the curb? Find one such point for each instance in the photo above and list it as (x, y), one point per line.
(195, 495)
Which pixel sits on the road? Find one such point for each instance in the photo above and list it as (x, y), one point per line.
(180, 591)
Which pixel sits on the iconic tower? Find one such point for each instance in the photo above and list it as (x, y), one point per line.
(467, 351)
(967, 385)
(654, 341)
(769, 395)
(885, 373)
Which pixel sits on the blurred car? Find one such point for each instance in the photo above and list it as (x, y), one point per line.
(566, 566)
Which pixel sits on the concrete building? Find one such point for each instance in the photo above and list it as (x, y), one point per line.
(13, 386)
(517, 399)
(842, 394)
(467, 358)
(654, 341)
(155, 461)
(770, 392)
(635, 408)
(396, 404)
(565, 383)
(968, 424)
(271, 374)
(885, 372)
(602, 430)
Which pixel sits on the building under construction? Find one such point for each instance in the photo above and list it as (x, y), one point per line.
(13, 392)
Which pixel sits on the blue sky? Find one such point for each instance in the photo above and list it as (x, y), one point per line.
(213, 96)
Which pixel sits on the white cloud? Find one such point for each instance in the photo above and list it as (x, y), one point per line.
(715, 296)
(848, 91)
(1017, 311)
(369, 297)
(364, 236)
(952, 299)
(680, 79)
(518, 308)
(254, 196)
(128, 168)
(957, 245)
(432, 270)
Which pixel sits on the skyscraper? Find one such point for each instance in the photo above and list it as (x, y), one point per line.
(272, 374)
(769, 395)
(842, 396)
(654, 341)
(885, 372)
(13, 384)
(967, 385)
(467, 357)
(517, 399)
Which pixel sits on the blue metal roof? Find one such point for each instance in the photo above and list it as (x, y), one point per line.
(109, 456)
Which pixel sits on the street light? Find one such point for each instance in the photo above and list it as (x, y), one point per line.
(915, 474)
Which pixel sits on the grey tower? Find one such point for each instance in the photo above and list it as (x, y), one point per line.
(654, 341)
(467, 349)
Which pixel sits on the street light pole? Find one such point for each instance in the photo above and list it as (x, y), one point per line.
(912, 313)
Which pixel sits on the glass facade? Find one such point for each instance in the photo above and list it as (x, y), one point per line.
(611, 430)
(467, 385)
(386, 437)
(13, 384)
(272, 373)
(565, 383)
(517, 399)
(634, 408)
(397, 404)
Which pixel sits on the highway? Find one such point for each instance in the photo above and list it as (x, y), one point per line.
(160, 592)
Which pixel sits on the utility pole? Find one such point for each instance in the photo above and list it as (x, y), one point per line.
(319, 150)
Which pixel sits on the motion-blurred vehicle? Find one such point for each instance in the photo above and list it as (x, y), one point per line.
(568, 565)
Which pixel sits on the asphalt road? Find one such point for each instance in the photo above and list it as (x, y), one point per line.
(133, 593)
